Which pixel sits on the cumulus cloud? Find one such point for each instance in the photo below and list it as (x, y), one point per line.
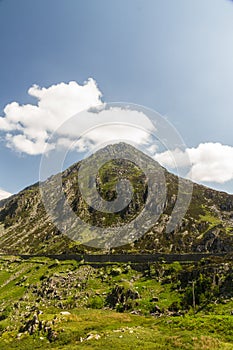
(210, 162)
(28, 126)
(112, 125)
(4, 194)
(28, 129)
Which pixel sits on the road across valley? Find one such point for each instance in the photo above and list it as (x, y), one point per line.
(126, 258)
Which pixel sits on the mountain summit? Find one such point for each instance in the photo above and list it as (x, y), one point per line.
(26, 227)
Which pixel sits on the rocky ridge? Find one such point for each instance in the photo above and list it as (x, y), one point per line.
(25, 227)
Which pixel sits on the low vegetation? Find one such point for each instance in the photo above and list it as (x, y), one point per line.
(53, 304)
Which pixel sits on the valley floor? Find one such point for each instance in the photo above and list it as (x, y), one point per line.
(49, 304)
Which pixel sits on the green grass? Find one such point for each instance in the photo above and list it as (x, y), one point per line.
(127, 331)
(212, 220)
(83, 294)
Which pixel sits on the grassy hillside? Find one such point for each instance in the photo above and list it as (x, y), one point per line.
(51, 304)
(68, 305)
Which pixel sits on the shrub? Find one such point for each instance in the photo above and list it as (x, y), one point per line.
(5, 313)
(96, 302)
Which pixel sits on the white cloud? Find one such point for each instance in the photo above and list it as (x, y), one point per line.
(114, 125)
(172, 159)
(29, 126)
(28, 129)
(4, 194)
(210, 162)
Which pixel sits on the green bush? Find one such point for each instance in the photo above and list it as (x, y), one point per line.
(5, 313)
(96, 302)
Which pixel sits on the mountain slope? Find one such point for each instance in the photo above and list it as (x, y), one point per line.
(25, 227)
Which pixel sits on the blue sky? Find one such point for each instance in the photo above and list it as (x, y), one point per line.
(174, 56)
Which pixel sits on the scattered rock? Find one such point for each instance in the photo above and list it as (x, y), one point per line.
(154, 299)
(156, 309)
(120, 296)
(93, 336)
(90, 337)
(65, 313)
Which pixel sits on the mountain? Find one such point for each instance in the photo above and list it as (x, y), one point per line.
(26, 227)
